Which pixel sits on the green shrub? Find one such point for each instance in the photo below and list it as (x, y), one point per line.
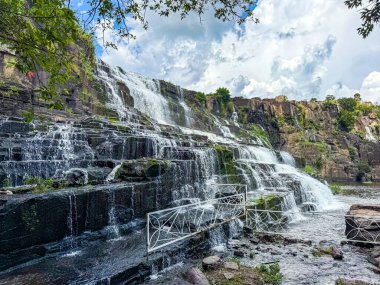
(352, 153)
(279, 121)
(365, 108)
(319, 163)
(261, 134)
(201, 98)
(42, 185)
(348, 104)
(224, 94)
(346, 120)
(6, 182)
(270, 274)
(310, 170)
(329, 102)
(336, 189)
(113, 119)
(268, 202)
(28, 116)
(363, 168)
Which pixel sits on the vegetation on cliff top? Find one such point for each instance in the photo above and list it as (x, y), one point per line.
(52, 36)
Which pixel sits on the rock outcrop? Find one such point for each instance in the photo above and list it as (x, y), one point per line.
(310, 131)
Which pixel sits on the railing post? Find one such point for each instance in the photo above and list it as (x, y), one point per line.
(147, 237)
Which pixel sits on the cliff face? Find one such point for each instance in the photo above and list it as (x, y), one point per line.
(309, 130)
(312, 133)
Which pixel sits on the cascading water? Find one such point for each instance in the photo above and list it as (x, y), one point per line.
(368, 134)
(112, 174)
(235, 118)
(287, 158)
(114, 232)
(263, 166)
(72, 225)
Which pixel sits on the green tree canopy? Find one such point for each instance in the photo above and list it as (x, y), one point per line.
(224, 94)
(348, 104)
(51, 36)
(369, 13)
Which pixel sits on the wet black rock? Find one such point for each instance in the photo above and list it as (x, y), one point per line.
(76, 177)
(239, 253)
(336, 253)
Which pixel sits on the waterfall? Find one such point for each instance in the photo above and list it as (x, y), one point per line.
(287, 158)
(368, 134)
(112, 217)
(226, 132)
(313, 191)
(206, 162)
(112, 174)
(72, 219)
(145, 92)
(257, 153)
(288, 204)
(114, 100)
(235, 118)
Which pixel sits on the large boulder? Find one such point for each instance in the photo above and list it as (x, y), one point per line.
(363, 223)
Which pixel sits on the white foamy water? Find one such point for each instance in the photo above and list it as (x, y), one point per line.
(259, 154)
(368, 134)
(288, 158)
(313, 190)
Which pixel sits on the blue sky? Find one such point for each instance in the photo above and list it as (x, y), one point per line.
(301, 49)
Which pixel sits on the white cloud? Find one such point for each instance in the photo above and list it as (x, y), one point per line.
(300, 49)
(369, 89)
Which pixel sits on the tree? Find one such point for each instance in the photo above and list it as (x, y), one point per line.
(224, 94)
(346, 120)
(329, 102)
(44, 36)
(348, 104)
(50, 36)
(357, 97)
(369, 14)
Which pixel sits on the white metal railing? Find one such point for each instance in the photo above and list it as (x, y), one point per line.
(168, 226)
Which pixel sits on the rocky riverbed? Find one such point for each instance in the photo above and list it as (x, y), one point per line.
(311, 252)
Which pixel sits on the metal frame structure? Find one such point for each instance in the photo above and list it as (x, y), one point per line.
(168, 226)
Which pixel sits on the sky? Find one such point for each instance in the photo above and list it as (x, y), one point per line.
(301, 49)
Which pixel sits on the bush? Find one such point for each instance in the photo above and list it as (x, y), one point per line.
(201, 98)
(346, 120)
(329, 102)
(348, 104)
(352, 153)
(336, 189)
(363, 168)
(6, 182)
(310, 170)
(42, 185)
(224, 94)
(270, 274)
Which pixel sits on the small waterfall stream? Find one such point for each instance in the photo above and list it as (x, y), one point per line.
(368, 134)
